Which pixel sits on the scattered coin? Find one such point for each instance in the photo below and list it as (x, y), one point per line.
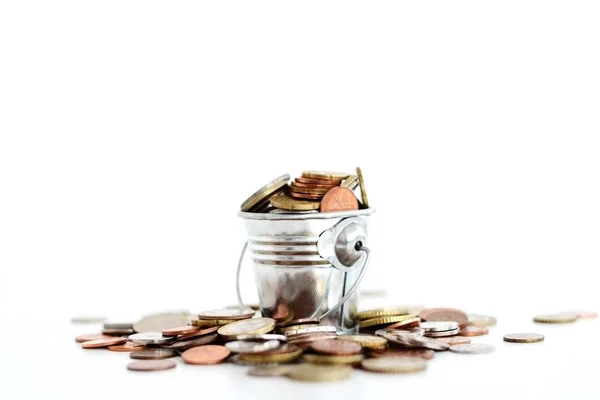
(394, 364)
(265, 337)
(383, 320)
(326, 175)
(265, 192)
(293, 328)
(299, 321)
(336, 347)
(329, 359)
(444, 314)
(472, 348)
(208, 323)
(361, 181)
(150, 365)
(182, 345)
(282, 354)
(118, 325)
(481, 320)
(228, 313)
(88, 319)
(126, 347)
(246, 346)
(180, 330)
(439, 326)
(381, 312)
(407, 324)
(367, 341)
(305, 340)
(94, 344)
(205, 355)
(452, 340)
(91, 336)
(320, 373)
(117, 331)
(555, 318)
(437, 334)
(314, 329)
(150, 338)
(158, 322)
(407, 352)
(269, 370)
(408, 339)
(339, 199)
(473, 331)
(201, 332)
(289, 203)
(153, 354)
(523, 338)
(247, 326)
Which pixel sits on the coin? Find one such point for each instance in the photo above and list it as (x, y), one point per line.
(325, 186)
(439, 326)
(91, 336)
(444, 314)
(555, 318)
(265, 192)
(523, 338)
(336, 347)
(320, 373)
(394, 364)
(269, 370)
(180, 330)
(325, 175)
(94, 344)
(350, 182)
(383, 320)
(329, 359)
(473, 348)
(408, 352)
(247, 326)
(314, 329)
(307, 339)
(583, 314)
(263, 337)
(339, 199)
(299, 321)
(367, 341)
(228, 313)
(408, 339)
(407, 324)
(87, 319)
(151, 365)
(363, 192)
(205, 355)
(118, 325)
(292, 328)
(306, 196)
(153, 354)
(282, 354)
(473, 331)
(207, 323)
(309, 190)
(201, 332)
(158, 322)
(381, 312)
(126, 347)
(182, 345)
(117, 331)
(436, 334)
(150, 338)
(288, 203)
(452, 340)
(246, 346)
(481, 320)
(325, 182)
(282, 211)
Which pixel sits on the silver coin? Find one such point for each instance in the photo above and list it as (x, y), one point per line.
(244, 346)
(453, 332)
(473, 348)
(87, 319)
(315, 329)
(264, 337)
(150, 338)
(182, 345)
(270, 370)
(118, 325)
(408, 339)
(282, 211)
(437, 326)
(153, 354)
(227, 313)
(159, 322)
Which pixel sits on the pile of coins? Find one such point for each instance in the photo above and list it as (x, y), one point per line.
(392, 340)
(313, 191)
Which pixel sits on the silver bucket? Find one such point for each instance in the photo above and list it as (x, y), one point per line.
(308, 265)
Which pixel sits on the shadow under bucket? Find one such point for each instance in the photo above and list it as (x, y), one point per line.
(308, 265)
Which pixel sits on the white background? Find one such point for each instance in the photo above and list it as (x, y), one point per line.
(130, 133)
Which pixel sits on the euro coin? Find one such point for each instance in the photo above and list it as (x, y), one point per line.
(265, 192)
(327, 175)
(329, 359)
(205, 355)
(247, 326)
(555, 318)
(339, 199)
(473, 331)
(231, 313)
(524, 338)
(363, 192)
(153, 354)
(245, 346)
(381, 312)
(367, 341)
(286, 202)
(383, 320)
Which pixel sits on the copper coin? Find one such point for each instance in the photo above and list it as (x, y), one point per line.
(180, 330)
(473, 331)
(452, 340)
(205, 355)
(126, 347)
(313, 185)
(94, 344)
(299, 321)
(281, 313)
(117, 331)
(406, 324)
(336, 347)
(392, 352)
(91, 336)
(444, 314)
(309, 190)
(316, 181)
(339, 199)
(306, 196)
(153, 353)
(182, 345)
(151, 365)
(199, 333)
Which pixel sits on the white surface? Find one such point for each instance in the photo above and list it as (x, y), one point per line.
(131, 131)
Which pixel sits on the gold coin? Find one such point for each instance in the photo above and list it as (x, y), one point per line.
(367, 341)
(308, 190)
(265, 192)
(381, 312)
(286, 202)
(247, 326)
(383, 320)
(259, 358)
(394, 364)
(211, 322)
(320, 373)
(328, 359)
(350, 182)
(361, 181)
(327, 175)
(555, 318)
(524, 338)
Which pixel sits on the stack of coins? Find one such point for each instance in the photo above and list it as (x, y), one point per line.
(312, 192)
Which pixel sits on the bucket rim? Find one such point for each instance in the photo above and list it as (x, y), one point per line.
(327, 215)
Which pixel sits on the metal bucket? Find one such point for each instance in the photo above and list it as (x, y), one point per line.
(308, 265)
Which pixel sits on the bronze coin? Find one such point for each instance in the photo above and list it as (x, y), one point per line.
(315, 181)
(473, 331)
(205, 355)
(336, 347)
(306, 196)
(94, 344)
(309, 190)
(407, 324)
(182, 345)
(393, 352)
(199, 333)
(444, 314)
(313, 185)
(126, 347)
(117, 331)
(339, 199)
(453, 340)
(91, 336)
(153, 354)
(180, 330)
(151, 365)
(299, 321)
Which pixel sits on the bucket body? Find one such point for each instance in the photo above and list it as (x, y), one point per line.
(293, 279)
